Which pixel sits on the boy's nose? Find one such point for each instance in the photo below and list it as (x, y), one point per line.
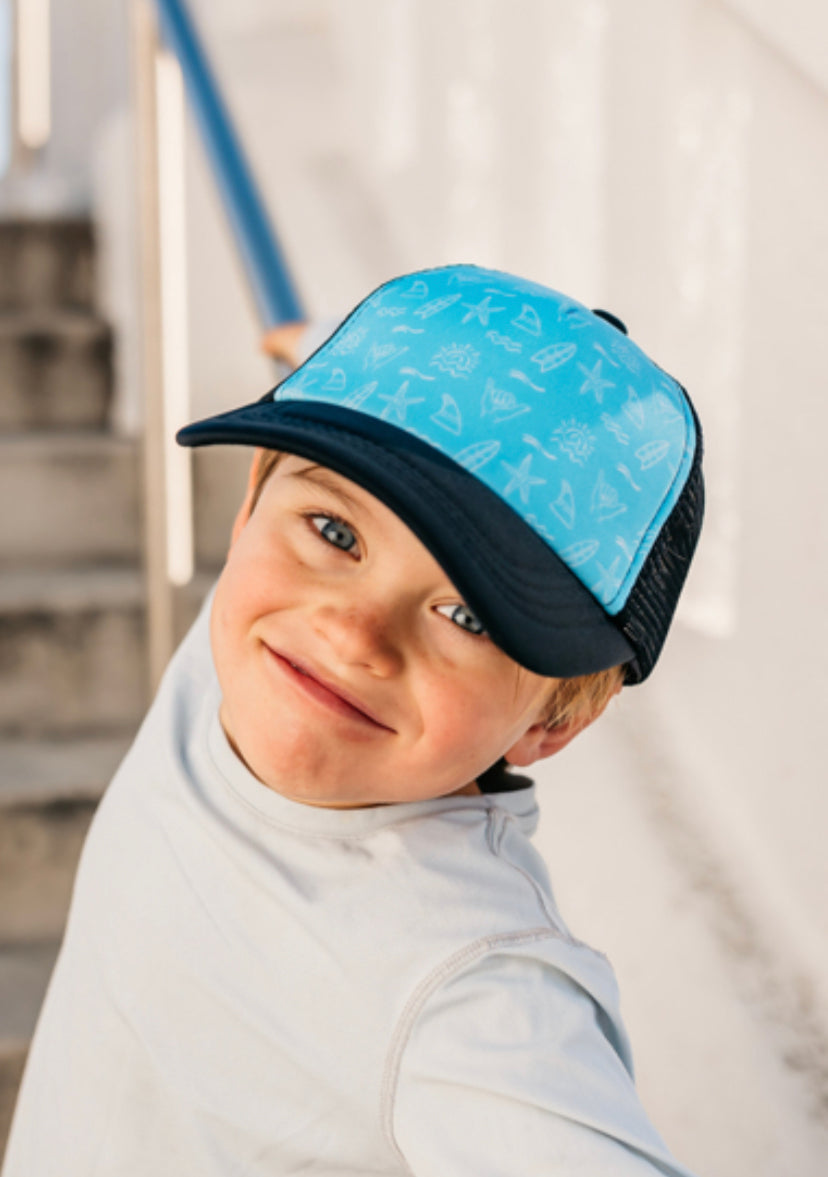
(360, 633)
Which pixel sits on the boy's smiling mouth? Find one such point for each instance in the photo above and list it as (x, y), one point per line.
(332, 696)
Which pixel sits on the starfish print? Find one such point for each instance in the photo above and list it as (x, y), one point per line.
(594, 381)
(481, 310)
(607, 583)
(521, 480)
(399, 402)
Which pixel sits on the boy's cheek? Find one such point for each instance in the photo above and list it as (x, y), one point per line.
(227, 627)
(477, 726)
(239, 594)
(457, 729)
(221, 611)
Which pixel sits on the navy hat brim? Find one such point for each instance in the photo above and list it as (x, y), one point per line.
(531, 604)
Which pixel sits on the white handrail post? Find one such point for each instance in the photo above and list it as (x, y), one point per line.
(33, 89)
(26, 65)
(166, 472)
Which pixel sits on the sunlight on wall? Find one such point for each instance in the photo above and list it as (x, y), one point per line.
(5, 85)
(570, 146)
(399, 111)
(708, 200)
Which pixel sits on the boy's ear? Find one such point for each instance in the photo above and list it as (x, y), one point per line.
(243, 513)
(540, 741)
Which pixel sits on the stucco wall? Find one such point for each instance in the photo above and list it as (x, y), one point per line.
(667, 160)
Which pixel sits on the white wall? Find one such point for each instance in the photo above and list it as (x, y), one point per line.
(667, 159)
(89, 81)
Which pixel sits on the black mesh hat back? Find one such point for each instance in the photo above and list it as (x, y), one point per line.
(648, 613)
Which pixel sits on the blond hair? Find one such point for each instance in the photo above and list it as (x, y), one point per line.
(581, 698)
(266, 463)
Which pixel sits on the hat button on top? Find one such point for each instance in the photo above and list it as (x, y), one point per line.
(611, 319)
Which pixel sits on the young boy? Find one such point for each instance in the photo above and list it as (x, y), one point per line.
(309, 930)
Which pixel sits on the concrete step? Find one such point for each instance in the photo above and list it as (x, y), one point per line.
(24, 976)
(49, 791)
(69, 498)
(55, 369)
(46, 263)
(72, 651)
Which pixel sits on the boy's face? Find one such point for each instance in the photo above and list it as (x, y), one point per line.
(349, 668)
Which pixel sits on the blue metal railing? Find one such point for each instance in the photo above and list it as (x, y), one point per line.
(268, 275)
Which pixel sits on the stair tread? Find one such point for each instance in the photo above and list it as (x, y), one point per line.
(26, 590)
(25, 970)
(64, 443)
(76, 324)
(71, 769)
(14, 223)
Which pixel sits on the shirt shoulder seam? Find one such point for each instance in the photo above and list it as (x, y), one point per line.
(442, 973)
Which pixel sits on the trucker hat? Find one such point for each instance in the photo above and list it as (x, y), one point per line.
(551, 468)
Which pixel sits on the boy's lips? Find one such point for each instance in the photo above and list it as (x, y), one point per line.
(330, 694)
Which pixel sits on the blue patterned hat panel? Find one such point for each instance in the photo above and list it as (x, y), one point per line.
(553, 408)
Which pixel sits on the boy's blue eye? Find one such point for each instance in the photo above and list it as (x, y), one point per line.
(335, 531)
(462, 617)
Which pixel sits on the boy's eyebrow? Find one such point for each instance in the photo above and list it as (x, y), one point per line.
(326, 479)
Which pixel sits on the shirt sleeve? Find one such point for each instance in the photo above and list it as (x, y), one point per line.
(510, 1067)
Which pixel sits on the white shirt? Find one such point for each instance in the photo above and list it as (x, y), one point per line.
(250, 986)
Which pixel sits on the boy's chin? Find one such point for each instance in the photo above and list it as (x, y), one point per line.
(339, 794)
(330, 791)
